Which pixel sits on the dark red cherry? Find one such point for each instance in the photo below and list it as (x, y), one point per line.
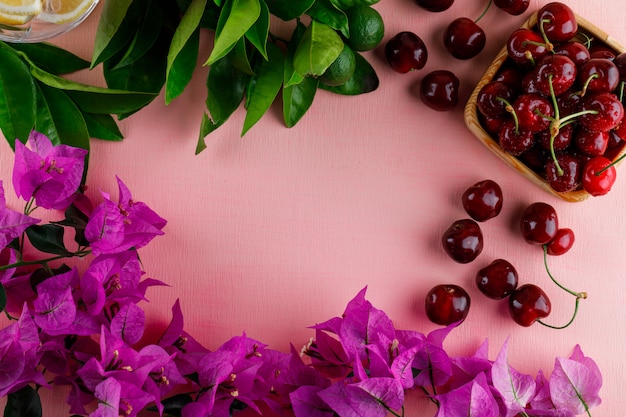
(557, 21)
(620, 63)
(591, 142)
(446, 304)
(561, 141)
(561, 243)
(435, 5)
(533, 112)
(539, 223)
(497, 280)
(569, 178)
(463, 241)
(556, 70)
(575, 51)
(406, 52)
(607, 111)
(525, 47)
(529, 303)
(492, 125)
(483, 200)
(439, 90)
(512, 7)
(596, 179)
(515, 141)
(493, 97)
(463, 38)
(511, 76)
(599, 74)
(598, 50)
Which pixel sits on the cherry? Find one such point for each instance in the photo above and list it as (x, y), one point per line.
(525, 47)
(512, 7)
(483, 200)
(539, 223)
(532, 112)
(557, 22)
(603, 111)
(440, 90)
(515, 141)
(561, 243)
(406, 52)
(598, 176)
(510, 76)
(493, 98)
(463, 38)
(591, 142)
(447, 304)
(602, 51)
(463, 240)
(561, 141)
(599, 74)
(528, 304)
(575, 51)
(435, 5)
(620, 63)
(491, 124)
(556, 70)
(497, 280)
(566, 176)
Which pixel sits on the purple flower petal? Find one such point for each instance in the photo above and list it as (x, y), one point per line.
(434, 366)
(108, 394)
(55, 310)
(128, 324)
(12, 223)
(574, 386)
(473, 399)
(306, 402)
(516, 389)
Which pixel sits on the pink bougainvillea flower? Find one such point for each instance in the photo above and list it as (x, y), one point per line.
(117, 227)
(516, 389)
(474, 399)
(49, 174)
(108, 394)
(55, 308)
(373, 397)
(12, 223)
(575, 383)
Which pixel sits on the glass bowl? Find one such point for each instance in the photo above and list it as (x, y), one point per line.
(45, 25)
(473, 122)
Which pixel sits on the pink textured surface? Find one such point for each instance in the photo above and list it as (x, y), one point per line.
(276, 231)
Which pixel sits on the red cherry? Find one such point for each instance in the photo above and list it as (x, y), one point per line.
(515, 141)
(463, 38)
(606, 111)
(463, 240)
(528, 304)
(483, 200)
(512, 7)
(561, 243)
(556, 70)
(532, 111)
(592, 143)
(446, 304)
(557, 21)
(525, 47)
(599, 74)
(435, 5)
(497, 280)
(493, 97)
(539, 223)
(570, 177)
(406, 52)
(439, 90)
(596, 179)
(575, 51)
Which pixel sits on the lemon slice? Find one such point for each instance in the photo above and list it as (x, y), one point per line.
(64, 11)
(14, 20)
(11, 9)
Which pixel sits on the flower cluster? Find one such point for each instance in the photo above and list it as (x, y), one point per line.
(85, 329)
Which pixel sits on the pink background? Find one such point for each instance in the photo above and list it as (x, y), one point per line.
(276, 231)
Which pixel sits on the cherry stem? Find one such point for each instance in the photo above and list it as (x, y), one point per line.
(555, 126)
(484, 12)
(586, 85)
(610, 165)
(549, 46)
(79, 254)
(509, 108)
(578, 295)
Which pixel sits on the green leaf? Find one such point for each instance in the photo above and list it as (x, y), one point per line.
(18, 97)
(236, 18)
(288, 9)
(66, 119)
(225, 89)
(346, 4)
(291, 76)
(23, 403)
(93, 99)
(48, 238)
(319, 47)
(51, 58)
(44, 123)
(3, 297)
(183, 52)
(257, 34)
(363, 81)
(102, 126)
(265, 87)
(207, 126)
(297, 99)
(328, 13)
(147, 34)
(173, 405)
(238, 56)
(111, 19)
(147, 74)
(77, 220)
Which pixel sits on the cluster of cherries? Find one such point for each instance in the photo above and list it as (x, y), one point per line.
(463, 242)
(463, 38)
(556, 103)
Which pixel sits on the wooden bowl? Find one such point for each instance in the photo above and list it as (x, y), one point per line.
(473, 123)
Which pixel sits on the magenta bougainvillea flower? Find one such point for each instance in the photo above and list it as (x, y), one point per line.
(12, 223)
(49, 174)
(119, 226)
